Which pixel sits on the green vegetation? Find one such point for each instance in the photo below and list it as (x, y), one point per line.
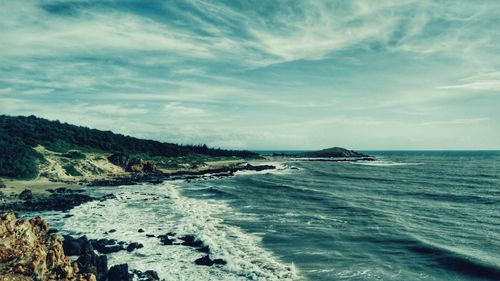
(18, 136)
(333, 152)
(71, 170)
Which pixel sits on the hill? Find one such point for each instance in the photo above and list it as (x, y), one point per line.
(20, 135)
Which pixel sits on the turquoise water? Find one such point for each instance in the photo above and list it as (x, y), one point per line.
(407, 216)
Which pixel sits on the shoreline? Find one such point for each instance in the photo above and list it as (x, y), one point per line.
(90, 255)
(45, 195)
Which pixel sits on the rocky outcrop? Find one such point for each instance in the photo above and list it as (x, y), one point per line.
(60, 200)
(133, 165)
(29, 252)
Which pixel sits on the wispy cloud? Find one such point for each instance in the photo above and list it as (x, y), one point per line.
(256, 73)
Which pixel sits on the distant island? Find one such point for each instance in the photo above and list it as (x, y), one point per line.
(330, 154)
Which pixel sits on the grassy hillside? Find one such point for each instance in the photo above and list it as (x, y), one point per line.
(19, 135)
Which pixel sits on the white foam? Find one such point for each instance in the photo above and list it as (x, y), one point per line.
(281, 168)
(135, 207)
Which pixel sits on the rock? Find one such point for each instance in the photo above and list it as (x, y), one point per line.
(26, 195)
(73, 246)
(29, 252)
(90, 262)
(258, 168)
(119, 273)
(190, 240)
(205, 249)
(133, 246)
(106, 246)
(148, 275)
(209, 262)
(165, 240)
(112, 231)
(2, 184)
(150, 235)
(140, 230)
(134, 165)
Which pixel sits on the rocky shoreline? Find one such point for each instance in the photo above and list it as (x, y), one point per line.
(89, 255)
(31, 251)
(64, 199)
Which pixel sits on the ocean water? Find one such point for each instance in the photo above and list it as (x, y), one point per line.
(407, 216)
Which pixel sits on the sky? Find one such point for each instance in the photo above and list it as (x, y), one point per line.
(260, 75)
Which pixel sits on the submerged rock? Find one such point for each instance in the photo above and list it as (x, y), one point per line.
(29, 252)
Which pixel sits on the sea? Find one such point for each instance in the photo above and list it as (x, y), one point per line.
(408, 215)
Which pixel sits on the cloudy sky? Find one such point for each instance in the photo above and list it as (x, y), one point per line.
(260, 74)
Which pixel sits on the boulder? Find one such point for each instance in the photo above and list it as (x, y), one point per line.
(191, 241)
(106, 246)
(134, 245)
(90, 262)
(119, 272)
(207, 261)
(26, 195)
(148, 275)
(73, 246)
(165, 240)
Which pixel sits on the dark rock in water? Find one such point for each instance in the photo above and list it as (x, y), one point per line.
(133, 246)
(258, 168)
(190, 240)
(204, 261)
(107, 196)
(165, 240)
(112, 230)
(148, 275)
(26, 195)
(207, 261)
(150, 235)
(140, 230)
(90, 262)
(106, 246)
(119, 272)
(205, 249)
(220, 261)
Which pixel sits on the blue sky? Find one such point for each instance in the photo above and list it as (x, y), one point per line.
(260, 74)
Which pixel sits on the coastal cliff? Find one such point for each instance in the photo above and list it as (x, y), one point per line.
(28, 251)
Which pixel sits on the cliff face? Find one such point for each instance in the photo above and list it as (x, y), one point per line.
(29, 252)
